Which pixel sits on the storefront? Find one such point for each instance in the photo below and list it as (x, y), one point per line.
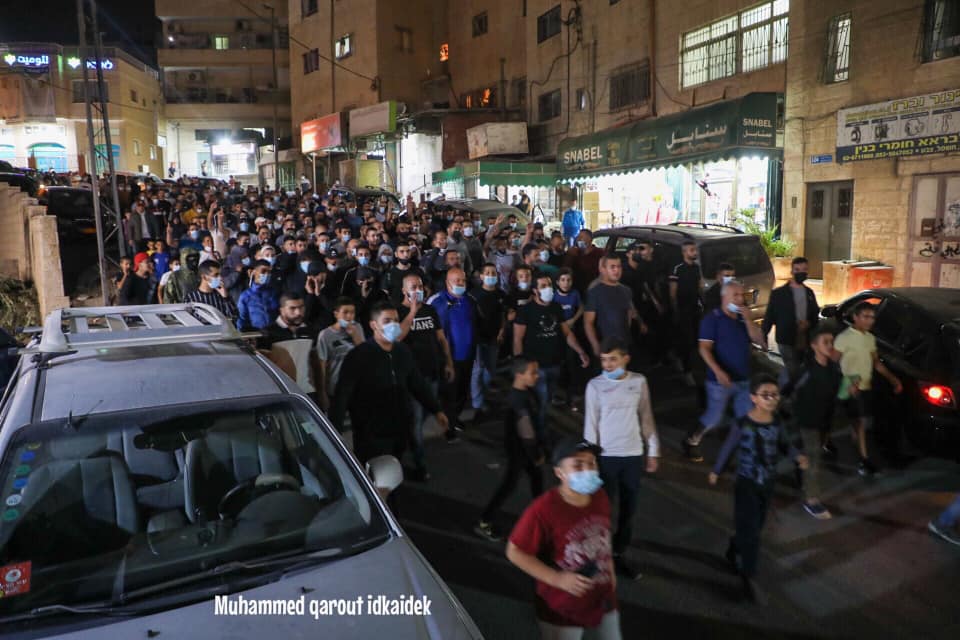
(373, 135)
(710, 164)
(323, 141)
(502, 181)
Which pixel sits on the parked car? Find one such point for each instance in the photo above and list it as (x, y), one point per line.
(153, 461)
(362, 195)
(918, 339)
(18, 178)
(485, 208)
(717, 244)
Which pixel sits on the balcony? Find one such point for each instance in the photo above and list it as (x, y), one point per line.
(222, 49)
(245, 102)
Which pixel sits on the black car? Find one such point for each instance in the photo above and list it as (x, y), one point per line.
(918, 339)
(17, 178)
(363, 195)
(716, 243)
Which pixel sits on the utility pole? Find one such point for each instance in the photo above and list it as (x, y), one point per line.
(276, 133)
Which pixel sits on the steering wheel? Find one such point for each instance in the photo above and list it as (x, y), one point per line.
(234, 500)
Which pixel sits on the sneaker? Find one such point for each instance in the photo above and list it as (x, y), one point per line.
(866, 468)
(486, 530)
(817, 510)
(829, 450)
(689, 380)
(692, 449)
(626, 568)
(944, 534)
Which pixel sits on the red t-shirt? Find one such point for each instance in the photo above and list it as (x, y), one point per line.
(568, 538)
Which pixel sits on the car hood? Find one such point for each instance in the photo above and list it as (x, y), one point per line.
(394, 570)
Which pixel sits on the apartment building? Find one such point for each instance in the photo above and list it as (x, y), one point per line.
(217, 59)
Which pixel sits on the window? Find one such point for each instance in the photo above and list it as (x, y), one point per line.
(941, 29)
(343, 47)
(221, 43)
(479, 24)
(311, 61)
(153, 152)
(837, 65)
(133, 96)
(630, 87)
(744, 42)
(581, 100)
(614, 1)
(481, 99)
(549, 105)
(308, 7)
(77, 86)
(548, 24)
(404, 39)
(136, 147)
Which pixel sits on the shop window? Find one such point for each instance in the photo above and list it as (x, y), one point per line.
(480, 24)
(837, 63)
(308, 7)
(311, 61)
(343, 48)
(221, 43)
(404, 39)
(749, 40)
(548, 24)
(630, 87)
(549, 105)
(941, 29)
(581, 100)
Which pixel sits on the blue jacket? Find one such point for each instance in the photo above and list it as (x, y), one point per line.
(457, 317)
(572, 222)
(257, 308)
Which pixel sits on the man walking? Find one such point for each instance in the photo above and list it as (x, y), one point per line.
(686, 302)
(457, 315)
(793, 310)
(609, 310)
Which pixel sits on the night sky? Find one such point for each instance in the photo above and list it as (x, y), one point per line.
(129, 24)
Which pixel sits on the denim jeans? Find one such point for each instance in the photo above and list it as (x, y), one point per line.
(951, 516)
(418, 417)
(546, 384)
(719, 396)
(484, 369)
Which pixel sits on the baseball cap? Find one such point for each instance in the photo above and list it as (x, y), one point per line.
(570, 446)
(332, 254)
(140, 257)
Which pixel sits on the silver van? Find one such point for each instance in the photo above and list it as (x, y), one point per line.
(161, 478)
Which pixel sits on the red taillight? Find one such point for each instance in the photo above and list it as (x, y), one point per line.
(937, 394)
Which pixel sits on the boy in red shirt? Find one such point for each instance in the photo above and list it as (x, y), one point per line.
(569, 526)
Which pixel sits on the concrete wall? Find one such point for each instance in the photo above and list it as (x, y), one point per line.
(884, 65)
(45, 257)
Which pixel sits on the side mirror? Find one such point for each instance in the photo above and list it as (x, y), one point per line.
(829, 311)
(386, 473)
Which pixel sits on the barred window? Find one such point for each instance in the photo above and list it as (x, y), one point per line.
(941, 29)
(837, 64)
(311, 61)
(752, 39)
(549, 105)
(479, 24)
(630, 86)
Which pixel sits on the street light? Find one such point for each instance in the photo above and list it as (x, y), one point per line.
(276, 136)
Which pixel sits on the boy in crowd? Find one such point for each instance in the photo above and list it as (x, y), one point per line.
(759, 439)
(569, 527)
(524, 451)
(333, 345)
(619, 418)
(857, 350)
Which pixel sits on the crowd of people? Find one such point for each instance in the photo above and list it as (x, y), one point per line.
(387, 315)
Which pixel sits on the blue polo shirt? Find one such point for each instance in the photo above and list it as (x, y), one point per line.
(457, 319)
(731, 344)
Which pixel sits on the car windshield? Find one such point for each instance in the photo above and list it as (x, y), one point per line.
(101, 507)
(745, 254)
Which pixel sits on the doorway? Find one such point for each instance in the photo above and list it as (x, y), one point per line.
(829, 228)
(934, 259)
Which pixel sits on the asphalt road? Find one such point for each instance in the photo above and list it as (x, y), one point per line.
(872, 571)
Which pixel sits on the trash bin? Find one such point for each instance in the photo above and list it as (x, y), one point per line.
(872, 277)
(836, 278)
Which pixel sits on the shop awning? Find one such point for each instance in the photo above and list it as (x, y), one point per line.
(492, 173)
(734, 128)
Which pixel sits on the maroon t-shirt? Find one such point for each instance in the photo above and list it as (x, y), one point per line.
(568, 538)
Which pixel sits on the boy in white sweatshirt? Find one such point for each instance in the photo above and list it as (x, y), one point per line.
(618, 417)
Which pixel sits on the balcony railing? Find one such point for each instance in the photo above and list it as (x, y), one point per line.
(220, 96)
(226, 41)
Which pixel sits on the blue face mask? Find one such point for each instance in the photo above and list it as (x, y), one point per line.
(459, 289)
(322, 246)
(581, 244)
(363, 261)
(616, 374)
(732, 308)
(523, 286)
(194, 235)
(305, 266)
(392, 331)
(343, 323)
(270, 259)
(490, 281)
(215, 283)
(263, 278)
(585, 482)
(385, 259)
(419, 295)
(544, 256)
(245, 262)
(546, 295)
(244, 226)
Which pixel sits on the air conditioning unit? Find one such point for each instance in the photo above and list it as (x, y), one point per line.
(196, 78)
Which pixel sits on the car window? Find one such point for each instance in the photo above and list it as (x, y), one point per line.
(138, 498)
(667, 254)
(624, 243)
(892, 319)
(601, 241)
(743, 252)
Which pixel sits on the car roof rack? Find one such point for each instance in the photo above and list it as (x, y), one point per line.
(707, 226)
(70, 329)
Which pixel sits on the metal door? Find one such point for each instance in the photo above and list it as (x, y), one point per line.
(934, 259)
(828, 229)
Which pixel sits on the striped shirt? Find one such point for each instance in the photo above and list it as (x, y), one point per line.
(225, 306)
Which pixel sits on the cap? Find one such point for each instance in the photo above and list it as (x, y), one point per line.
(316, 268)
(259, 220)
(332, 254)
(570, 446)
(140, 257)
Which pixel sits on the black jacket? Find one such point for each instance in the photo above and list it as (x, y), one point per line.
(782, 313)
